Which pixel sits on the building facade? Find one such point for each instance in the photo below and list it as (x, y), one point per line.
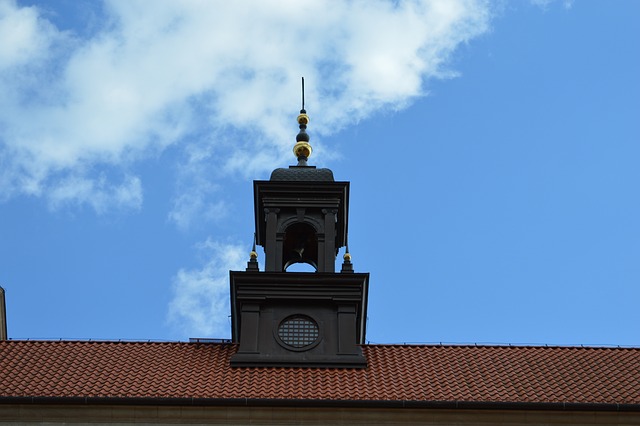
(298, 353)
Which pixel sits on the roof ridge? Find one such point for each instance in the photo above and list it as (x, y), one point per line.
(503, 345)
(145, 341)
(228, 342)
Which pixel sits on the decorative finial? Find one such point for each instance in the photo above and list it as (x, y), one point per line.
(252, 264)
(302, 149)
(347, 266)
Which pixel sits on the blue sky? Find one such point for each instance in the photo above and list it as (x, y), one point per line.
(492, 149)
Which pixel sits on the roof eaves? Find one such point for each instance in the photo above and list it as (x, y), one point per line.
(328, 403)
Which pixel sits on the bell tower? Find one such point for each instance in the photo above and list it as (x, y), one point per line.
(299, 319)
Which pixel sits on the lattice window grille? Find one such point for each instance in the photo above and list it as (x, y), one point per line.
(298, 331)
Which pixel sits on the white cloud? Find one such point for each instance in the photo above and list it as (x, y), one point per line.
(200, 304)
(158, 76)
(25, 37)
(99, 193)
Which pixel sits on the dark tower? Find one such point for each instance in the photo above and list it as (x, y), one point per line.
(299, 319)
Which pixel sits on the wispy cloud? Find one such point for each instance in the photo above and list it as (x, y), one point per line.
(153, 77)
(200, 303)
(195, 200)
(99, 193)
(25, 38)
(544, 4)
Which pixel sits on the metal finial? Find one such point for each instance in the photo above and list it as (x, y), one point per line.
(253, 254)
(302, 149)
(302, 111)
(347, 255)
(347, 266)
(252, 264)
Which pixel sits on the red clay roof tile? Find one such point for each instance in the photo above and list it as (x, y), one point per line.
(394, 373)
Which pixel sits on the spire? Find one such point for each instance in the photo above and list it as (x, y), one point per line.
(302, 149)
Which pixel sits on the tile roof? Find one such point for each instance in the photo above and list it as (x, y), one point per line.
(506, 374)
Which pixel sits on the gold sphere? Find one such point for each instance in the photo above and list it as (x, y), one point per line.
(253, 255)
(347, 257)
(302, 148)
(303, 119)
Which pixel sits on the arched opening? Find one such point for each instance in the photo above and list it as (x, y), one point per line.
(300, 267)
(300, 245)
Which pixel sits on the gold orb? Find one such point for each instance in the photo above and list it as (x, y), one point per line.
(303, 119)
(302, 148)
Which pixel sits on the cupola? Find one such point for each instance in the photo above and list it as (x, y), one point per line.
(299, 319)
